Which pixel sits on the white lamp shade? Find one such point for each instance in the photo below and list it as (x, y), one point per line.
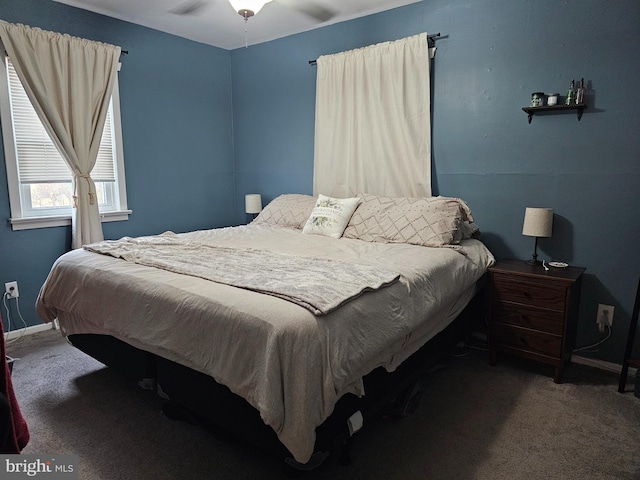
(538, 222)
(254, 5)
(253, 203)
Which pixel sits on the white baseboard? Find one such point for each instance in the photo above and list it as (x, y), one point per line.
(601, 364)
(28, 330)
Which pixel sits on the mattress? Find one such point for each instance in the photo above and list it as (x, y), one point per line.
(287, 362)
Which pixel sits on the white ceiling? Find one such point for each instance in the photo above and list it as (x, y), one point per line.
(216, 23)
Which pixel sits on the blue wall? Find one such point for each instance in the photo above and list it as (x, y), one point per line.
(175, 98)
(211, 125)
(493, 54)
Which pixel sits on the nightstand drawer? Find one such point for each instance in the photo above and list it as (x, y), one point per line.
(543, 295)
(527, 340)
(548, 321)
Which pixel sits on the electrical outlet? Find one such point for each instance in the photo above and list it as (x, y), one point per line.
(605, 316)
(11, 288)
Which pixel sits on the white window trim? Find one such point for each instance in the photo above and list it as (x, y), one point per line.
(17, 220)
(26, 223)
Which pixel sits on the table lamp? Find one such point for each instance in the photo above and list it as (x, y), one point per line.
(538, 222)
(253, 204)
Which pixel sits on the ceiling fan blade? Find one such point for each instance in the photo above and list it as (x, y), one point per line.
(191, 7)
(317, 12)
(313, 10)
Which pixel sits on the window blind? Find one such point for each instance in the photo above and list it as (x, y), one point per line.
(38, 159)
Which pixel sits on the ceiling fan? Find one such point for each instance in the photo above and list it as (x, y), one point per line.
(249, 8)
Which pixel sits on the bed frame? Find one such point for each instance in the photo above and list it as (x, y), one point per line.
(198, 398)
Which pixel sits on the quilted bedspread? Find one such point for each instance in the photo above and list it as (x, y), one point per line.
(318, 284)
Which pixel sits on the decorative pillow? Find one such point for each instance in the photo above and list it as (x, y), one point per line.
(427, 221)
(330, 216)
(289, 210)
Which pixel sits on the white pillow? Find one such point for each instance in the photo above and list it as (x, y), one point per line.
(330, 216)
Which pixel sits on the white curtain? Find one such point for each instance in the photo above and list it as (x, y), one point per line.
(373, 122)
(69, 82)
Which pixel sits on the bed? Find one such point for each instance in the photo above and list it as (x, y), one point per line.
(213, 321)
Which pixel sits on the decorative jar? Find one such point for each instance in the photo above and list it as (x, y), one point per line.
(537, 99)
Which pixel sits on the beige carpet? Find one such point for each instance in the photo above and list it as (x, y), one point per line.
(474, 422)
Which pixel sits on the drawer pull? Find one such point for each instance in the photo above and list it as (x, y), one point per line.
(523, 340)
(526, 294)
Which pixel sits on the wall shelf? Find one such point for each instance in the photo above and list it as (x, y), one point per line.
(531, 111)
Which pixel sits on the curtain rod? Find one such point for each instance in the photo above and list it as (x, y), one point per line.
(433, 37)
(122, 52)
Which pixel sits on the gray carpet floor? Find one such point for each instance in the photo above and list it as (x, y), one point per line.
(474, 421)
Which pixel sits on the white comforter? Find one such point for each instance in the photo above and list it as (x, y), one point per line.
(291, 365)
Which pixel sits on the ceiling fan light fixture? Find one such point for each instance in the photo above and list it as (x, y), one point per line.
(248, 8)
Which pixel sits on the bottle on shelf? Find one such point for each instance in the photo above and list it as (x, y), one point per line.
(580, 93)
(571, 94)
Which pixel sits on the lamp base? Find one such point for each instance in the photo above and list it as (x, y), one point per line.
(534, 258)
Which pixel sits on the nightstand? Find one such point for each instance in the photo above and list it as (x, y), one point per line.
(534, 312)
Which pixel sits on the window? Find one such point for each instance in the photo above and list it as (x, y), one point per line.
(39, 180)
